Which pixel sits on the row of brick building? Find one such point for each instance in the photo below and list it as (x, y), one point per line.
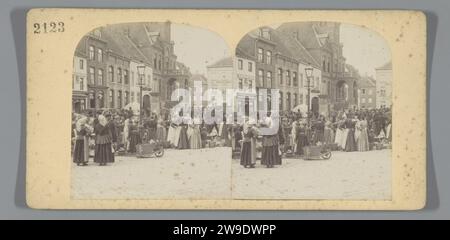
(271, 57)
(112, 63)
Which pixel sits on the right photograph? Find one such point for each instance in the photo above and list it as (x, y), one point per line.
(333, 85)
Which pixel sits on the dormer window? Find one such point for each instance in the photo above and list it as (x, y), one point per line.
(264, 33)
(97, 33)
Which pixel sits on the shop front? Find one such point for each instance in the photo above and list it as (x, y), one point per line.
(79, 101)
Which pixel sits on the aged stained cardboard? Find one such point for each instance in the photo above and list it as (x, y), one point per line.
(49, 89)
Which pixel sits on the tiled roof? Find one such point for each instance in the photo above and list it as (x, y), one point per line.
(244, 54)
(387, 66)
(113, 43)
(282, 45)
(120, 43)
(366, 82)
(285, 45)
(80, 50)
(224, 62)
(246, 47)
(296, 49)
(306, 33)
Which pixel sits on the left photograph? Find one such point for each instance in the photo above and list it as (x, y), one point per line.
(124, 144)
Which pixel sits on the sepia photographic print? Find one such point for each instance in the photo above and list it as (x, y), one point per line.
(167, 111)
(225, 109)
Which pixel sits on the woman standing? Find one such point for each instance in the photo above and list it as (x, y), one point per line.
(270, 143)
(81, 149)
(287, 135)
(328, 133)
(350, 145)
(194, 137)
(344, 133)
(248, 152)
(225, 135)
(152, 127)
(171, 134)
(126, 133)
(389, 130)
(338, 134)
(134, 136)
(301, 138)
(103, 139)
(183, 139)
(293, 135)
(363, 137)
(203, 134)
(161, 133)
(319, 128)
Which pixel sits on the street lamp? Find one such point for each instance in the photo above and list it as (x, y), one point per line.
(141, 72)
(309, 74)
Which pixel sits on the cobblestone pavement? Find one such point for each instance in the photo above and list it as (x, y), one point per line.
(186, 174)
(211, 174)
(347, 175)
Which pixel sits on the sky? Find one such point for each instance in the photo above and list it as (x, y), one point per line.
(198, 47)
(364, 48)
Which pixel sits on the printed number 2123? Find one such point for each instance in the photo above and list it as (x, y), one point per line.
(50, 27)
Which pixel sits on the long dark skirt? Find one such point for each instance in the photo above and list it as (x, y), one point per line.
(319, 136)
(350, 145)
(183, 143)
(135, 139)
(103, 153)
(78, 152)
(246, 154)
(302, 141)
(161, 134)
(152, 134)
(270, 156)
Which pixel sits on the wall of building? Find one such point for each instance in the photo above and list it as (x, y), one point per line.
(79, 84)
(97, 91)
(367, 97)
(246, 74)
(79, 74)
(384, 87)
(220, 78)
(261, 65)
(287, 79)
(318, 88)
(118, 72)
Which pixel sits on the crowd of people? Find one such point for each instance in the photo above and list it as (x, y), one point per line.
(350, 130)
(112, 132)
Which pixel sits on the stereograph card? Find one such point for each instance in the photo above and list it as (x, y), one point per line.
(226, 109)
